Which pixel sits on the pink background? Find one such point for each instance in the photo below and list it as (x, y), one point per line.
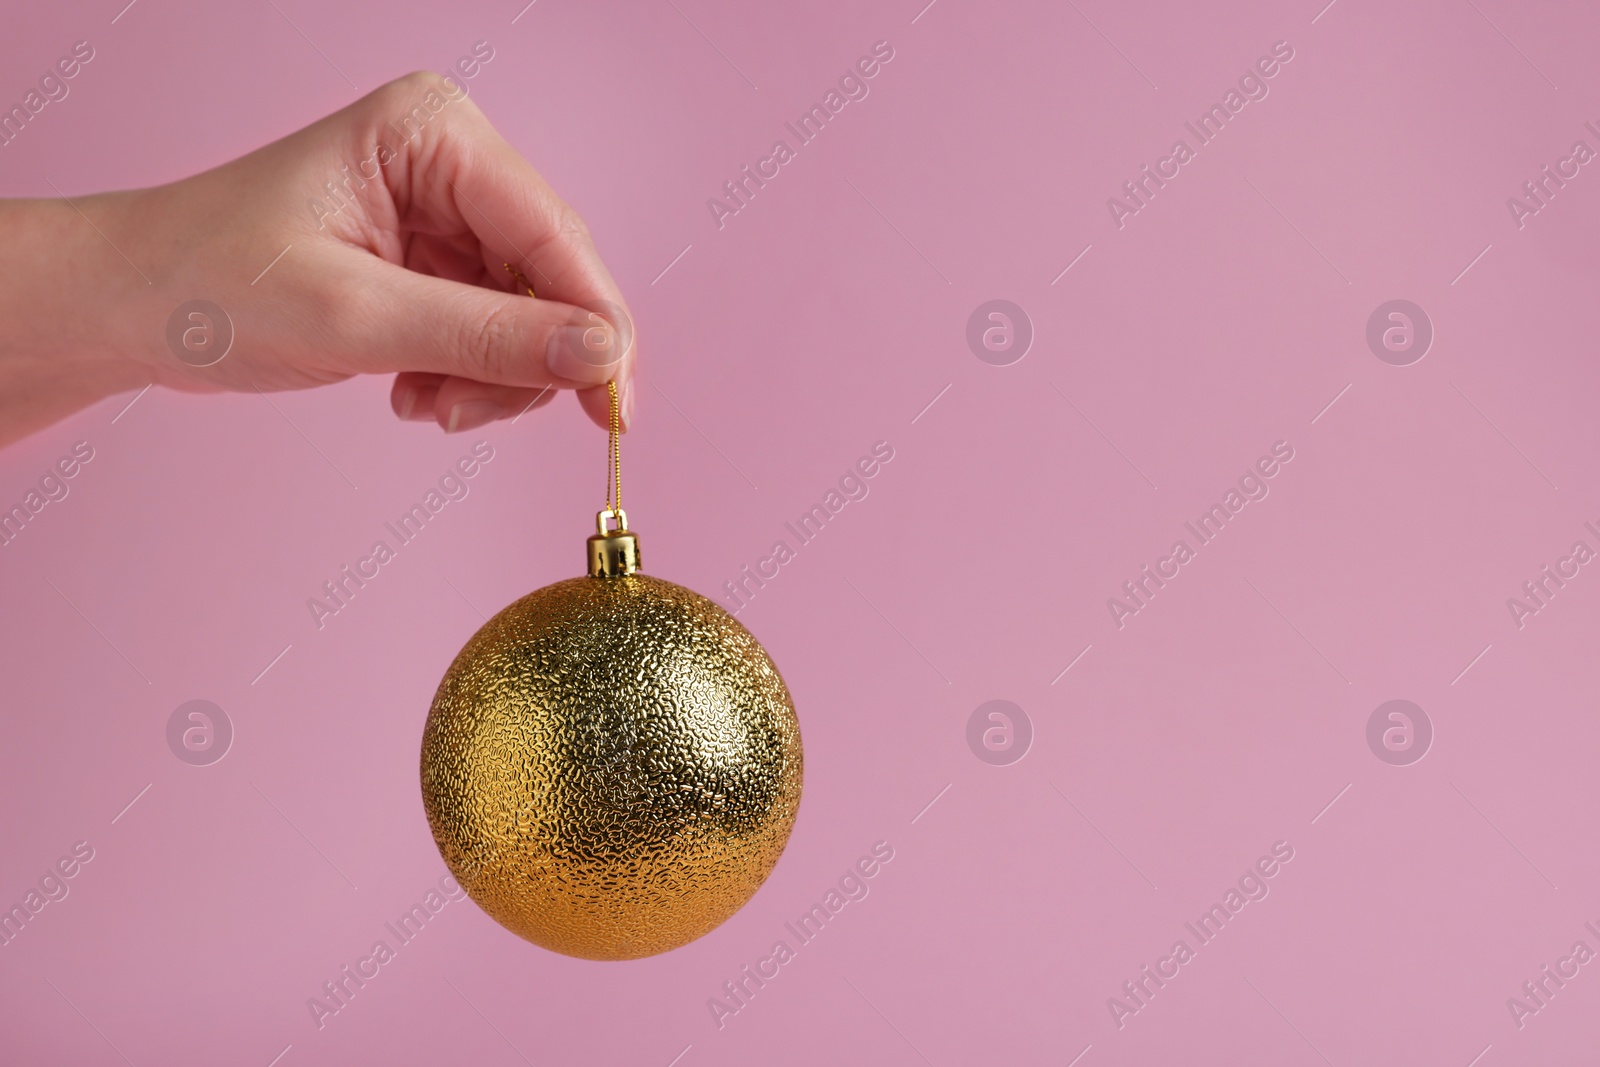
(1225, 717)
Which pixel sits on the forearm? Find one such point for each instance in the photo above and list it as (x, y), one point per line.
(58, 293)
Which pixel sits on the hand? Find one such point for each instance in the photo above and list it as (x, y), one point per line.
(395, 218)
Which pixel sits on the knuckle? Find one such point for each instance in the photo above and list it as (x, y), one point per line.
(418, 81)
(492, 341)
(421, 95)
(565, 231)
(570, 224)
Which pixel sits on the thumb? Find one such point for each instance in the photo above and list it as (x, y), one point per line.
(399, 320)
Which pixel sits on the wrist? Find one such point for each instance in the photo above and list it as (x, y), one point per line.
(58, 298)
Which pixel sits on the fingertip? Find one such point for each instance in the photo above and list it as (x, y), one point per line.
(412, 397)
(596, 403)
(586, 351)
(403, 395)
(462, 404)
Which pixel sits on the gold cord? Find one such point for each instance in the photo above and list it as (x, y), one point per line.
(614, 442)
(520, 279)
(614, 448)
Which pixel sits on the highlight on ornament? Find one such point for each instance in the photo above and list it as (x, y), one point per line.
(612, 765)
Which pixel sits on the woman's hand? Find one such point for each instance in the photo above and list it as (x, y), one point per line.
(371, 242)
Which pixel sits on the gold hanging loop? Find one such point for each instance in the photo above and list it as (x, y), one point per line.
(614, 452)
(520, 279)
(613, 550)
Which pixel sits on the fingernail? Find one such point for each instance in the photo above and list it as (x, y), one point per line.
(470, 413)
(586, 352)
(408, 400)
(627, 404)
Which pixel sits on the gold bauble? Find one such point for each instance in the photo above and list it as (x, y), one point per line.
(612, 764)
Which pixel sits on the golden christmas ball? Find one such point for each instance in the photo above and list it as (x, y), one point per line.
(612, 764)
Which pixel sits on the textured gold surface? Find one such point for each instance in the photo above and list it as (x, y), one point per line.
(611, 767)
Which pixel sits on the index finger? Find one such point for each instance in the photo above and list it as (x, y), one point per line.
(465, 170)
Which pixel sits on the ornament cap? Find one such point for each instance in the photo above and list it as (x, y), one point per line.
(613, 552)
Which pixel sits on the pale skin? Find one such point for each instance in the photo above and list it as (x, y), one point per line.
(396, 272)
